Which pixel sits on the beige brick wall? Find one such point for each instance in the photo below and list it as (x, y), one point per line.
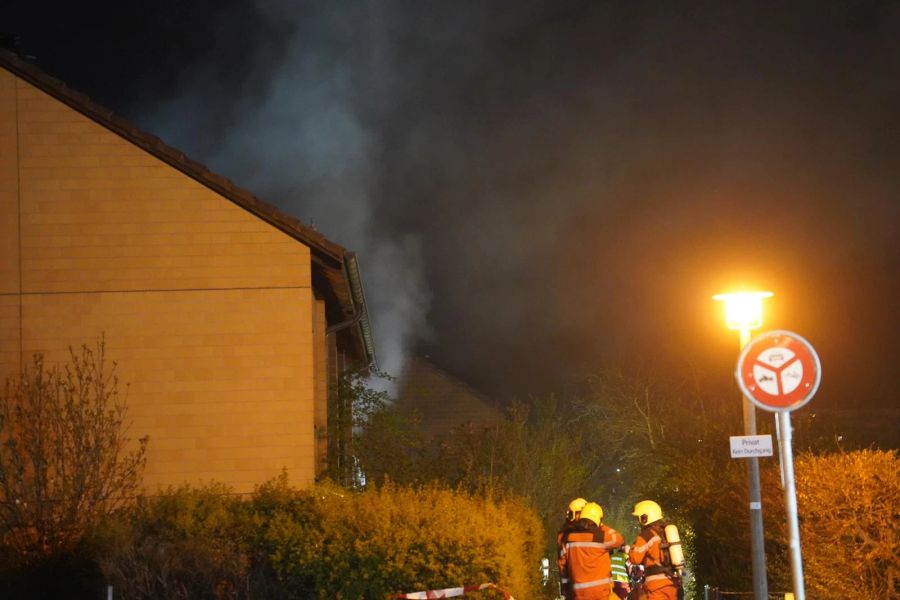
(9, 226)
(220, 380)
(99, 213)
(9, 335)
(207, 309)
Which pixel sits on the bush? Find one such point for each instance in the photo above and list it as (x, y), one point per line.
(186, 543)
(321, 542)
(534, 453)
(848, 508)
(328, 543)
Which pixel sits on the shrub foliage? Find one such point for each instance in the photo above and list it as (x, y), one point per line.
(848, 507)
(670, 443)
(185, 543)
(322, 542)
(536, 453)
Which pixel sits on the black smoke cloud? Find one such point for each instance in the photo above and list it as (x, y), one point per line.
(537, 189)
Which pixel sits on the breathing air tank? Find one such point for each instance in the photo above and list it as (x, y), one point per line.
(676, 554)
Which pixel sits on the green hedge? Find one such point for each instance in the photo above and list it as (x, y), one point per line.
(321, 542)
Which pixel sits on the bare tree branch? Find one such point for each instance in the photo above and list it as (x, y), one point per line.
(64, 458)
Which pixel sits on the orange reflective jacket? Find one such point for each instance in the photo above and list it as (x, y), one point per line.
(585, 559)
(560, 541)
(647, 550)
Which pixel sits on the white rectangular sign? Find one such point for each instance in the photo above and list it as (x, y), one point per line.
(749, 446)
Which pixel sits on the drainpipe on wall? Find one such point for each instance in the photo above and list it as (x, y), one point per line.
(344, 324)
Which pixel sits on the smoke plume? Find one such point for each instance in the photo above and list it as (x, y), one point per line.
(538, 188)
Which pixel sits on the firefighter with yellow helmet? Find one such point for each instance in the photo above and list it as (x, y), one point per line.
(573, 513)
(658, 550)
(585, 555)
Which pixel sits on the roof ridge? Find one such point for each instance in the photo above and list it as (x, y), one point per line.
(429, 365)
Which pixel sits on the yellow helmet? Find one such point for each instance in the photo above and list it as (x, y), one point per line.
(647, 511)
(593, 512)
(575, 507)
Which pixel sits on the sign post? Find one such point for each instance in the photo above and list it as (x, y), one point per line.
(779, 371)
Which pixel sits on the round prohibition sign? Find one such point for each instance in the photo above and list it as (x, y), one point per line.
(779, 371)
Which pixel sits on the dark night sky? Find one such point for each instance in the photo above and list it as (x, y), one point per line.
(537, 189)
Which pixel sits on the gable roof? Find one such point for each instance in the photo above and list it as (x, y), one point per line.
(443, 402)
(335, 271)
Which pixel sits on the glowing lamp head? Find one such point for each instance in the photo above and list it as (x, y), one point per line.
(743, 310)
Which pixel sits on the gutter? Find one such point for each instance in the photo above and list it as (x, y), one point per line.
(360, 309)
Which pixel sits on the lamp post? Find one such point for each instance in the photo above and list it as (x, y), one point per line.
(743, 312)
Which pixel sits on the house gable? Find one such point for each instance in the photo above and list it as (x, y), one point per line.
(334, 271)
(207, 303)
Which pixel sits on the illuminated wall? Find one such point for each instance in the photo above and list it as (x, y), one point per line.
(208, 310)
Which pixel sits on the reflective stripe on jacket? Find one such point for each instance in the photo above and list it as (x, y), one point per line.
(595, 583)
(619, 570)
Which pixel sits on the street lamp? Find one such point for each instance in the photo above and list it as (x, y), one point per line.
(743, 312)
